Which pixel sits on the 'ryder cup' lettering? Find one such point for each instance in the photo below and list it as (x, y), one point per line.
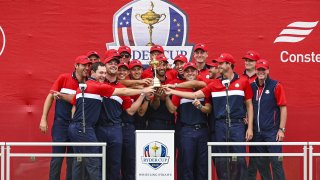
(146, 160)
(312, 57)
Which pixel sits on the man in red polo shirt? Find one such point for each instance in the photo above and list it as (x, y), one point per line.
(200, 54)
(66, 84)
(228, 126)
(250, 59)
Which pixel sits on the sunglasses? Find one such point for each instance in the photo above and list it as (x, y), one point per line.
(125, 55)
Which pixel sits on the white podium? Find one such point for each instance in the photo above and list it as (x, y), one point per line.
(155, 154)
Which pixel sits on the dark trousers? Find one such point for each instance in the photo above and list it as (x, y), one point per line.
(59, 133)
(231, 168)
(128, 152)
(263, 163)
(88, 167)
(194, 153)
(112, 135)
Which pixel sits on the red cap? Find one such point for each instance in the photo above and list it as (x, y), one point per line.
(157, 48)
(110, 53)
(189, 64)
(123, 64)
(252, 55)
(114, 56)
(92, 53)
(124, 49)
(200, 46)
(225, 57)
(262, 63)
(135, 63)
(161, 57)
(212, 64)
(82, 60)
(180, 57)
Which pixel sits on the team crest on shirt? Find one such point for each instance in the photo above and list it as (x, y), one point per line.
(237, 85)
(267, 91)
(143, 23)
(155, 155)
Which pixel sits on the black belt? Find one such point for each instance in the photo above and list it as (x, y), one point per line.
(195, 126)
(163, 122)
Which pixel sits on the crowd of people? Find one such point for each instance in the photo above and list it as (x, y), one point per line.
(203, 99)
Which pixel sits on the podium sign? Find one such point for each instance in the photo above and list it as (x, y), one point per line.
(155, 154)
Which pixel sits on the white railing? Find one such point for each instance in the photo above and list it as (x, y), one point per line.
(311, 155)
(303, 154)
(2, 144)
(9, 145)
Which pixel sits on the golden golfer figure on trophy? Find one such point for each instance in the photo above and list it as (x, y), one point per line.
(156, 80)
(150, 18)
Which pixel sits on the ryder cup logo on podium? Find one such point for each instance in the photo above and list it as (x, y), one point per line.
(143, 23)
(155, 155)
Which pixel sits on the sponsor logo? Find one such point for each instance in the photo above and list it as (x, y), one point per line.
(143, 23)
(296, 32)
(155, 155)
(2, 46)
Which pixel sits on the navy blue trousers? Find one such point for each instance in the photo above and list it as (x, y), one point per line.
(112, 135)
(263, 163)
(231, 168)
(59, 133)
(88, 167)
(128, 152)
(194, 153)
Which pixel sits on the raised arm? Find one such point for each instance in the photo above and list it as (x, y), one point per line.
(136, 105)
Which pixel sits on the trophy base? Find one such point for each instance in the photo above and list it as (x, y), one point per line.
(150, 44)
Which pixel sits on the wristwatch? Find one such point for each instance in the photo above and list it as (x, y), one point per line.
(282, 129)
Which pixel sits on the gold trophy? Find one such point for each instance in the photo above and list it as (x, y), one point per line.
(150, 18)
(156, 80)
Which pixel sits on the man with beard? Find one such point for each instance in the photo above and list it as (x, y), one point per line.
(66, 84)
(229, 126)
(159, 116)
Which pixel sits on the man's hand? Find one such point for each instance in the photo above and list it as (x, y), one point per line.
(168, 91)
(149, 89)
(280, 136)
(56, 94)
(249, 134)
(147, 81)
(197, 103)
(43, 125)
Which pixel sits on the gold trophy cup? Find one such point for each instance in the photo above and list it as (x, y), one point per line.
(150, 18)
(156, 80)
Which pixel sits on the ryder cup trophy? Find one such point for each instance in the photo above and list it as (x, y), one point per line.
(156, 81)
(150, 18)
